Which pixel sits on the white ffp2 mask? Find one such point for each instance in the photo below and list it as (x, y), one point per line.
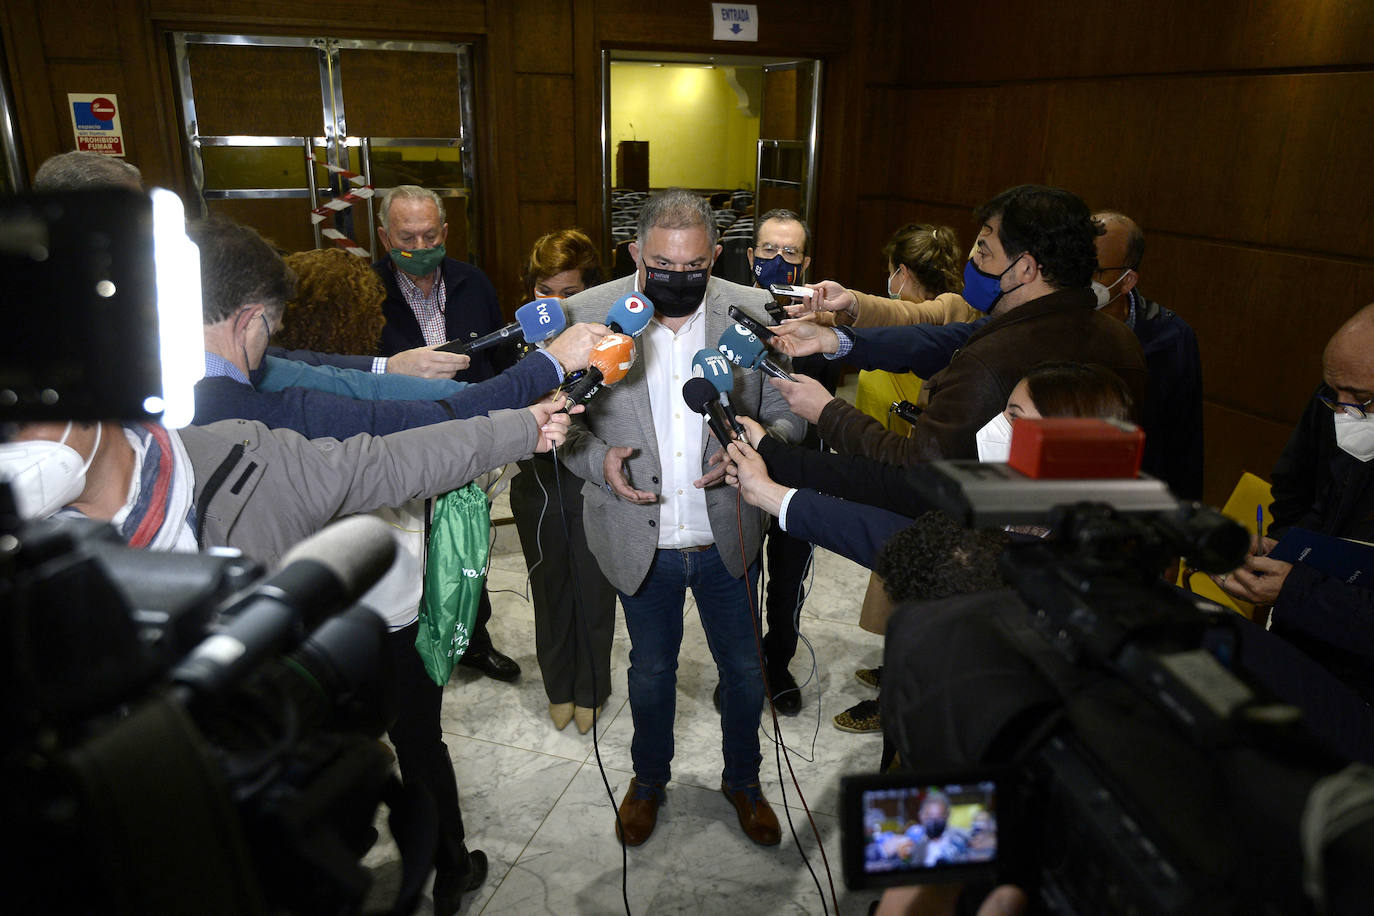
(994, 439)
(45, 475)
(1355, 436)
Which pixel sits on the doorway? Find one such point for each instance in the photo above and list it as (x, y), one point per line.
(293, 161)
(741, 130)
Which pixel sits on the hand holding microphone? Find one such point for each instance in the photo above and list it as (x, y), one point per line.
(745, 350)
(552, 417)
(747, 473)
(610, 359)
(573, 348)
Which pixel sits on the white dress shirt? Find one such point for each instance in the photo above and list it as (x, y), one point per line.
(682, 517)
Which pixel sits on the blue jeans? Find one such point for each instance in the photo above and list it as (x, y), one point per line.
(653, 616)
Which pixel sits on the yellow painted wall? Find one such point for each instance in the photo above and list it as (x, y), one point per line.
(698, 136)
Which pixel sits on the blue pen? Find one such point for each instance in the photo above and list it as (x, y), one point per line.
(1259, 528)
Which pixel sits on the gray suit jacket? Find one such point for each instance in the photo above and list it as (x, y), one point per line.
(623, 536)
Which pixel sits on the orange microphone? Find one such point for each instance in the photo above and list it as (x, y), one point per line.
(611, 358)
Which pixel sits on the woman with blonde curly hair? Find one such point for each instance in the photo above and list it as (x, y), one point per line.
(338, 304)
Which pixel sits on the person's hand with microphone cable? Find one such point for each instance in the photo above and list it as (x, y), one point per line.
(753, 430)
(552, 415)
(747, 473)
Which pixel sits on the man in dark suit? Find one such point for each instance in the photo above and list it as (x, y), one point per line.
(432, 299)
(658, 519)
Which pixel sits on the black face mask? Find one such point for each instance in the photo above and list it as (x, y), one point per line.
(675, 293)
(934, 827)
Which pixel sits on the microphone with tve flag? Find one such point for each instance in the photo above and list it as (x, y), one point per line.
(320, 576)
(610, 359)
(701, 396)
(712, 366)
(745, 350)
(534, 321)
(630, 314)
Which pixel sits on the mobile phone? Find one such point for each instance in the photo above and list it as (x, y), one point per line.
(923, 828)
(791, 289)
(758, 330)
(906, 410)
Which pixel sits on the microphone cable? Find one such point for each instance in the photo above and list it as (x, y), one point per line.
(813, 676)
(780, 751)
(579, 614)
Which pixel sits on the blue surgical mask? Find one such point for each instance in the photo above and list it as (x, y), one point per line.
(982, 290)
(768, 271)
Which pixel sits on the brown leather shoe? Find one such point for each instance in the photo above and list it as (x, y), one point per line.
(639, 813)
(755, 816)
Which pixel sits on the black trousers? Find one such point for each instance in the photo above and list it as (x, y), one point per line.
(569, 658)
(788, 556)
(420, 750)
(787, 559)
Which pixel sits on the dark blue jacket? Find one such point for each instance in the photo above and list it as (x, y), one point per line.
(470, 311)
(1172, 413)
(850, 529)
(315, 414)
(1318, 486)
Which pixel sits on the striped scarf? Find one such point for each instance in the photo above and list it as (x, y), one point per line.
(161, 512)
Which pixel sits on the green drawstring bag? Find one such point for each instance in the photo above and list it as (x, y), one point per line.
(455, 569)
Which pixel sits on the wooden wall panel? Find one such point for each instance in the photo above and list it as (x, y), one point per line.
(537, 219)
(1235, 442)
(543, 43)
(285, 100)
(1262, 317)
(421, 20)
(414, 94)
(1067, 38)
(786, 27)
(80, 29)
(543, 163)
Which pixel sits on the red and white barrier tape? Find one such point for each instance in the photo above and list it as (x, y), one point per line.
(344, 242)
(319, 214)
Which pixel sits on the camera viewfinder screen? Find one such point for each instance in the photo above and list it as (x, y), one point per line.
(919, 827)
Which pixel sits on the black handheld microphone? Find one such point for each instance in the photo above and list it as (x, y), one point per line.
(701, 396)
(318, 577)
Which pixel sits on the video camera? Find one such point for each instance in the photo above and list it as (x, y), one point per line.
(1108, 726)
(180, 733)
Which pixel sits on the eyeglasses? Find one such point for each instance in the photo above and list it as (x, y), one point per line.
(771, 251)
(1358, 411)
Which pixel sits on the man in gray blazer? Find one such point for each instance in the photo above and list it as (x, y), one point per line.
(658, 517)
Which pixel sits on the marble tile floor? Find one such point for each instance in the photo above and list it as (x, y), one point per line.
(534, 800)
